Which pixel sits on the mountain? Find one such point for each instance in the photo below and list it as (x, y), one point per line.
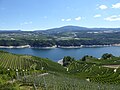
(63, 29)
(73, 29)
(10, 30)
(69, 28)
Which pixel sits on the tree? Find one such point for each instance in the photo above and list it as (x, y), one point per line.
(86, 57)
(67, 60)
(107, 56)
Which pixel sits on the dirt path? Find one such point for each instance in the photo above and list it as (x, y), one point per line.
(111, 66)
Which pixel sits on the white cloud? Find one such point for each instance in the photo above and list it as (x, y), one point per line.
(26, 23)
(69, 19)
(68, 7)
(78, 18)
(117, 5)
(62, 19)
(30, 22)
(97, 15)
(45, 17)
(102, 7)
(113, 18)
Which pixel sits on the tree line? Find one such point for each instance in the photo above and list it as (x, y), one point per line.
(50, 43)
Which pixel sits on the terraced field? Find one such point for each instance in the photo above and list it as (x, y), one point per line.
(95, 73)
(56, 81)
(26, 62)
(43, 74)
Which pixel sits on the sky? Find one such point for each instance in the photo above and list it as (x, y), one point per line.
(46, 14)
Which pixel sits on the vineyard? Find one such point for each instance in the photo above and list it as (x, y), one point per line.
(95, 73)
(10, 61)
(56, 81)
(25, 72)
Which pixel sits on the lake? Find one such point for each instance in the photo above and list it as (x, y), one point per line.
(56, 54)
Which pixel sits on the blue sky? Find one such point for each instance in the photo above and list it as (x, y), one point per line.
(44, 14)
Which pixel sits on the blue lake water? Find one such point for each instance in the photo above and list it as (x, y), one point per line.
(58, 53)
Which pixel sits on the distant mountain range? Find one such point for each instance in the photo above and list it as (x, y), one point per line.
(65, 29)
(74, 29)
(10, 30)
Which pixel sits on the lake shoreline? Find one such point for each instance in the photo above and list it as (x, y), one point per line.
(23, 46)
(58, 53)
(67, 47)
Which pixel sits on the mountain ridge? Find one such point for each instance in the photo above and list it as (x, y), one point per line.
(64, 28)
(71, 28)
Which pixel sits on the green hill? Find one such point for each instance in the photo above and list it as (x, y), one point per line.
(25, 72)
(97, 70)
(27, 62)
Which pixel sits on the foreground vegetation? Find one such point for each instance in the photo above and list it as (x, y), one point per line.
(24, 72)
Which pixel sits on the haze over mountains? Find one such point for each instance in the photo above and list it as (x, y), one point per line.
(66, 29)
(74, 29)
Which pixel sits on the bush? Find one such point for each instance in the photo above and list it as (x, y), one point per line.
(67, 60)
(107, 56)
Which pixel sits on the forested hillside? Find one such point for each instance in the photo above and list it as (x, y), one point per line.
(64, 36)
